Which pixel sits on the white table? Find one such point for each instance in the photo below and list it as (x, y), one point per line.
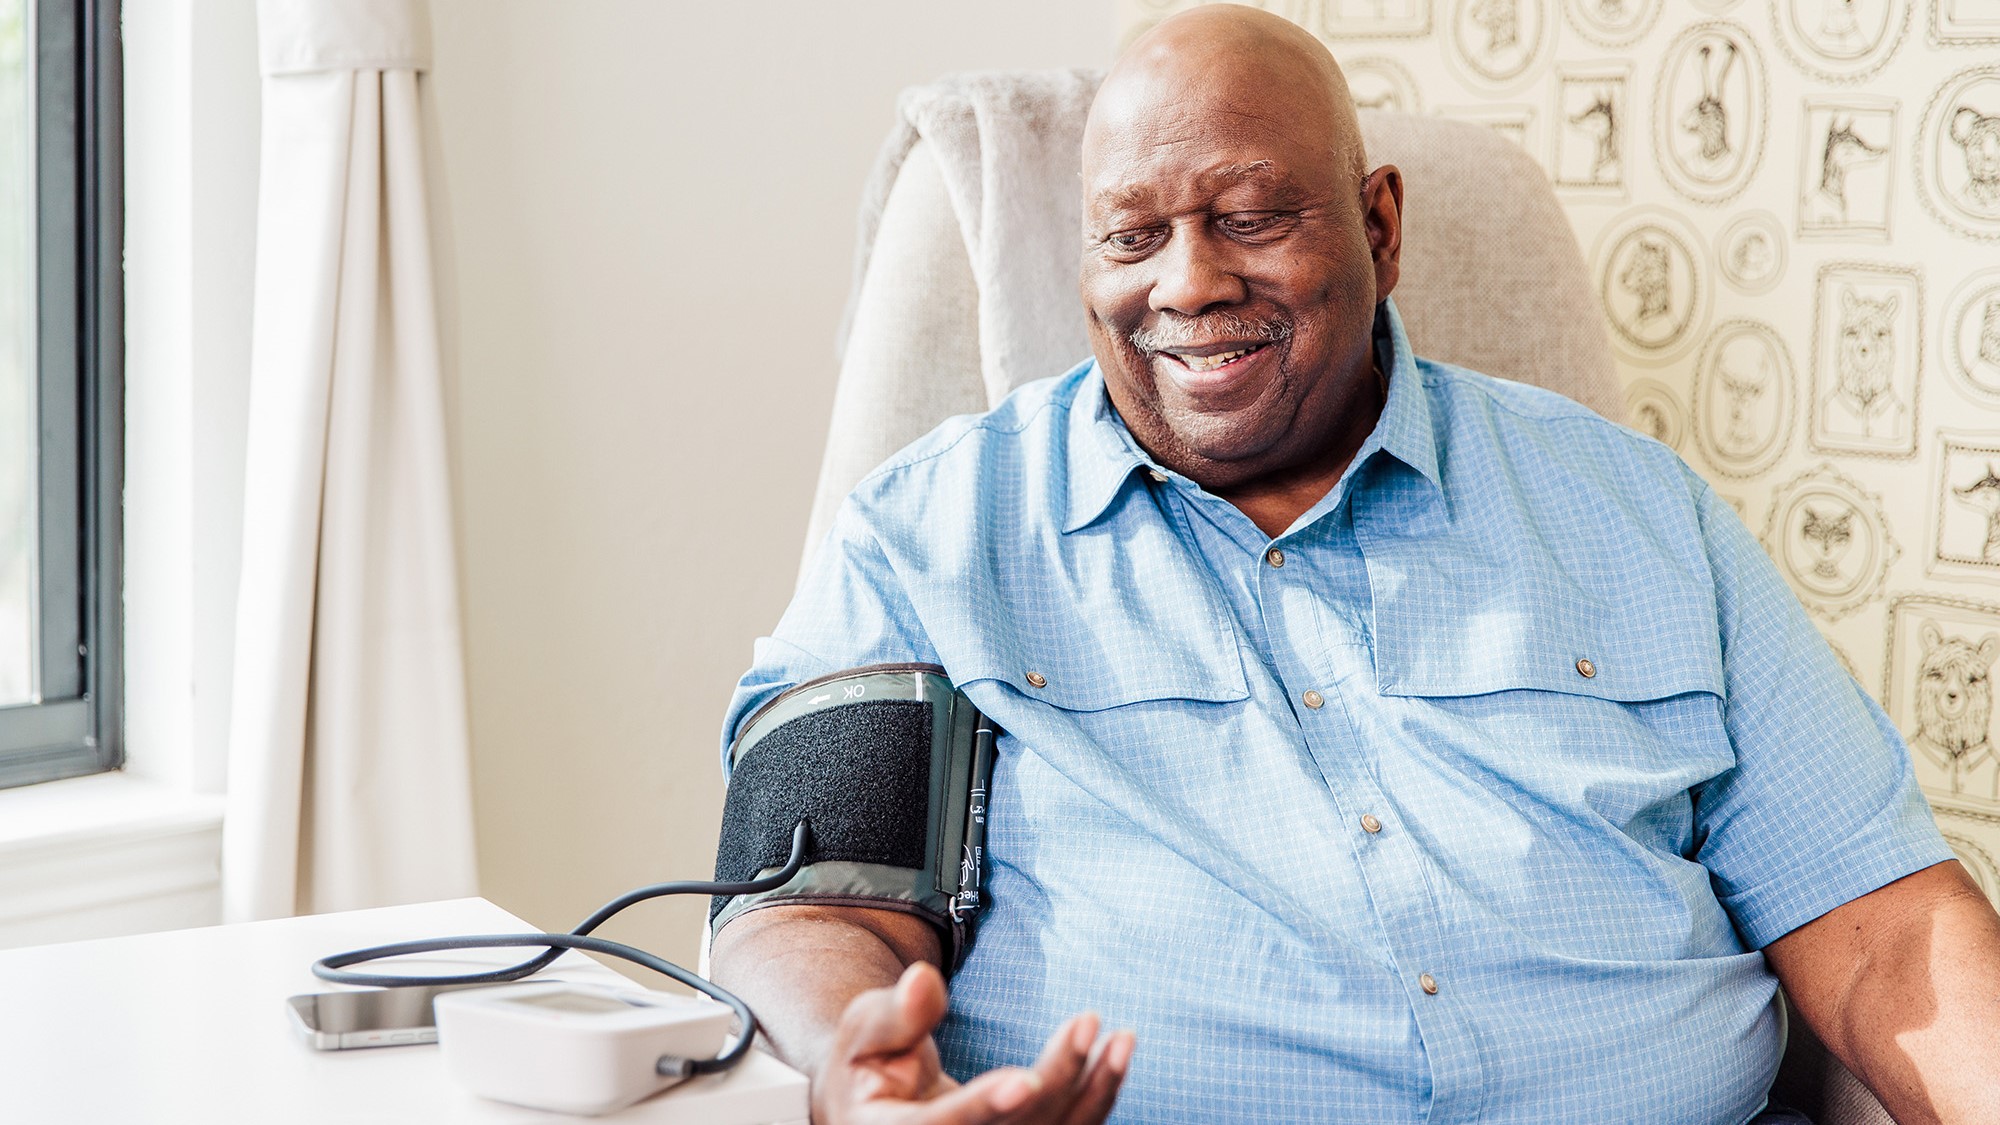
(191, 1026)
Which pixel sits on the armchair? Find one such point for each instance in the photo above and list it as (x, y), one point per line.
(959, 295)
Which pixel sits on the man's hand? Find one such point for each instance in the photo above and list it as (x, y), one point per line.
(883, 1068)
(850, 995)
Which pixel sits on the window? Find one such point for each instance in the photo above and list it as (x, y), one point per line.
(61, 371)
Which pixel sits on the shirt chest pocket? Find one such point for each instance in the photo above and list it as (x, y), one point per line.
(1616, 716)
(1110, 617)
(1123, 712)
(1104, 662)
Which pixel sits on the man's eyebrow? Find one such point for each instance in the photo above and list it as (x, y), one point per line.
(1262, 171)
(1209, 181)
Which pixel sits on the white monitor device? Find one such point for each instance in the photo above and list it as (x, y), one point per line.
(589, 1049)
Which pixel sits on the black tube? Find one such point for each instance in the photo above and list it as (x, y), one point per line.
(334, 968)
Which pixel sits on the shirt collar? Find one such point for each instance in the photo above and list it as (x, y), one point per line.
(1404, 429)
(1103, 455)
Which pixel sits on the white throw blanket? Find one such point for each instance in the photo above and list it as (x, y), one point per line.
(1007, 145)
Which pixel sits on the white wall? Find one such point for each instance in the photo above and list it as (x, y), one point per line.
(652, 209)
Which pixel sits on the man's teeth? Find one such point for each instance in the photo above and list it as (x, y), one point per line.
(1211, 362)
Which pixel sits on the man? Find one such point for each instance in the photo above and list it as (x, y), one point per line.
(1384, 742)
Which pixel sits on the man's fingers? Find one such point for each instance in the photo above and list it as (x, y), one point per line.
(1068, 1083)
(887, 1021)
(1061, 1065)
(991, 1097)
(1062, 1058)
(1101, 1082)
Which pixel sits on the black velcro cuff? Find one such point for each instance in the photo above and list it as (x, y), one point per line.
(867, 757)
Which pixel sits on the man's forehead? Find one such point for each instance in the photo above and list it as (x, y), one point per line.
(1151, 183)
(1153, 137)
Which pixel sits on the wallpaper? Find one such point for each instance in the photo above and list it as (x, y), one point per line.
(1791, 213)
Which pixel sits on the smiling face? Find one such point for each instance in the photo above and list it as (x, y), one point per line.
(1234, 254)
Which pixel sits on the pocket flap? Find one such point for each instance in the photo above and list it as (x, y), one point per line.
(1099, 664)
(1522, 641)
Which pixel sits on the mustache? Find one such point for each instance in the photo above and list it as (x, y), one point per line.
(1176, 331)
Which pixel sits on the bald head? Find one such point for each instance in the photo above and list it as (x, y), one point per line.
(1203, 67)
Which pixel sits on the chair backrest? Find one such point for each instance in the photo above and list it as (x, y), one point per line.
(1491, 279)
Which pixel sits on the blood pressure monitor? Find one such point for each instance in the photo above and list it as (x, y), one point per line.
(575, 1048)
(868, 785)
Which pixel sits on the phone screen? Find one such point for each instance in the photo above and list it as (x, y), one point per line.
(375, 1017)
(376, 1009)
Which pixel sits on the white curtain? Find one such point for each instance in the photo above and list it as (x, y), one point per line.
(348, 781)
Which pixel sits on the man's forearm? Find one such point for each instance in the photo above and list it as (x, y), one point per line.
(798, 966)
(1917, 1017)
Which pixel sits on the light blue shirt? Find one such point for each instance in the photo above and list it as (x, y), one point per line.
(1477, 807)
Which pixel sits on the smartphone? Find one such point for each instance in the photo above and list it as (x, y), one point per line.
(374, 1017)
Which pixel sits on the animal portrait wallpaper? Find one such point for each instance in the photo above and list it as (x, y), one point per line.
(1791, 214)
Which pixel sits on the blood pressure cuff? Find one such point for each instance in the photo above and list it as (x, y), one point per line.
(890, 764)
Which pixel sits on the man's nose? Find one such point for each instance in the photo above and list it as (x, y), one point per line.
(1195, 276)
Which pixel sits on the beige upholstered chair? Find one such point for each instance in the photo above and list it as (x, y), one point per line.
(1491, 279)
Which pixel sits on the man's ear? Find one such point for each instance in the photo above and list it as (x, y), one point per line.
(1382, 213)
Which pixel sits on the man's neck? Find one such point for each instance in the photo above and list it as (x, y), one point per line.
(1275, 505)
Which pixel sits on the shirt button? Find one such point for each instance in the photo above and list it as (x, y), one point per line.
(1428, 983)
(1370, 823)
(1157, 475)
(1585, 668)
(1314, 699)
(1036, 679)
(1275, 557)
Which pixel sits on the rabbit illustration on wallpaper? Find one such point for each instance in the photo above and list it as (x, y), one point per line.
(1708, 117)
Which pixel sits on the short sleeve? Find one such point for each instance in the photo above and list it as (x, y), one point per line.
(1821, 806)
(850, 610)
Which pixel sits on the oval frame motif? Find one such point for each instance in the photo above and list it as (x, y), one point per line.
(1759, 222)
(1952, 332)
(1532, 57)
(1612, 35)
(1643, 395)
(1670, 117)
(1783, 380)
(1608, 271)
(1831, 601)
(1800, 49)
(1931, 134)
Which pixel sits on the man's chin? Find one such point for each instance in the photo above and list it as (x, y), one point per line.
(1217, 452)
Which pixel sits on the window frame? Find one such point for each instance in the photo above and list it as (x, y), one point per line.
(76, 726)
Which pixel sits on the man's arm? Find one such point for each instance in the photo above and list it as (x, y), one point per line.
(850, 996)
(1903, 986)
